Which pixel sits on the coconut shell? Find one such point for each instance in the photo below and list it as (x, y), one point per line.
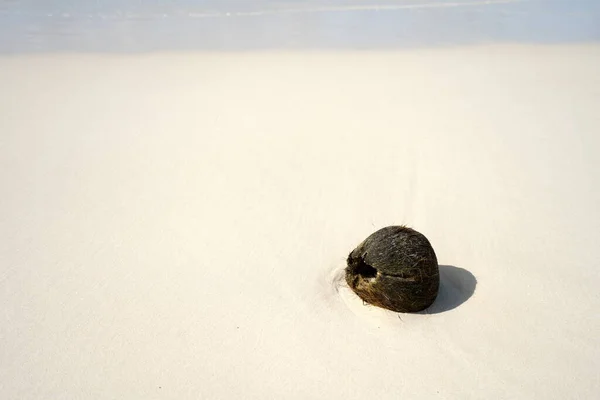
(395, 268)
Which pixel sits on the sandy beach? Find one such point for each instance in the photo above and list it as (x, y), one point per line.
(173, 225)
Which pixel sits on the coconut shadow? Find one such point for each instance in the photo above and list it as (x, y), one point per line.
(457, 285)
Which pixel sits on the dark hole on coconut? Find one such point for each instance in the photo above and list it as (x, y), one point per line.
(365, 270)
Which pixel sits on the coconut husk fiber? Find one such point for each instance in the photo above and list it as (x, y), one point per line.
(395, 268)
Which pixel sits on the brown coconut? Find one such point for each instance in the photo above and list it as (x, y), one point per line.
(394, 268)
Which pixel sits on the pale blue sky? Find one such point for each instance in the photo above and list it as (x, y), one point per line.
(140, 25)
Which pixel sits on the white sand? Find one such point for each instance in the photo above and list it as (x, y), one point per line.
(171, 225)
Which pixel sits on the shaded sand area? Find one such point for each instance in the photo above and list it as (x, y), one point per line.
(173, 226)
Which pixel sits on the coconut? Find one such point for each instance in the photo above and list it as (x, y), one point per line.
(395, 268)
